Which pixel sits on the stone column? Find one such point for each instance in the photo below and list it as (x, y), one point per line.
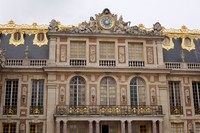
(90, 127)
(97, 127)
(160, 126)
(122, 127)
(129, 127)
(52, 48)
(154, 126)
(57, 126)
(51, 107)
(65, 127)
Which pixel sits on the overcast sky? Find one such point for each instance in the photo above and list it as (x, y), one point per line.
(170, 13)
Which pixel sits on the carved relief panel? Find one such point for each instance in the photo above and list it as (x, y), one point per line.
(92, 53)
(22, 126)
(123, 94)
(187, 96)
(63, 53)
(93, 96)
(150, 55)
(121, 54)
(24, 95)
(62, 92)
(153, 95)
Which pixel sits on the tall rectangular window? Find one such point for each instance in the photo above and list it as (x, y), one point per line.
(9, 128)
(135, 52)
(196, 96)
(37, 100)
(77, 50)
(11, 97)
(107, 51)
(177, 128)
(36, 128)
(174, 96)
(107, 54)
(197, 128)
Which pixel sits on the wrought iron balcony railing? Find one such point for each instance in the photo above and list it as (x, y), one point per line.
(176, 110)
(109, 110)
(36, 110)
(10, 110)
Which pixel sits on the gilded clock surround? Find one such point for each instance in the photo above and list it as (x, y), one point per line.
(105, 24)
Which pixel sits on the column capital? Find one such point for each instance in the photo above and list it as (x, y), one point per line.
(97, 121)
(58, 121)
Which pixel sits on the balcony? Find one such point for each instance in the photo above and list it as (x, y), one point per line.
(75, 62)
(136, 63)
(176, 110)
(109, 110)
(26, 62)
(36, 110)
(181, 65)
(107, 63)
(10, 110)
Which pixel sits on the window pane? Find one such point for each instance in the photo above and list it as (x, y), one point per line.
(77, 91)
(77, 50)
(135, 52)
(137, 92)
(107, 50)
(11, 93)
(108, 91)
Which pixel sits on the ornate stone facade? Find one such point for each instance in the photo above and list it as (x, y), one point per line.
(102, 76)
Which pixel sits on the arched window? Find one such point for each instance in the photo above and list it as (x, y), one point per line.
(77, 91)
(137, 92)
(108, 91)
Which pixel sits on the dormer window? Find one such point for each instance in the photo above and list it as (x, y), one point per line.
(40, 37)
(17, 36)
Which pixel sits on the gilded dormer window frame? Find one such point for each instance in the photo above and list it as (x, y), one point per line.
(14, 41)
(38, 42)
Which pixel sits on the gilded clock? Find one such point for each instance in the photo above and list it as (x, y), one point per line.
(106, 22)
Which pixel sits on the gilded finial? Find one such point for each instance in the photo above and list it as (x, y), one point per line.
(11, 22)
(141, 25)
(34, 24)
(184, 28)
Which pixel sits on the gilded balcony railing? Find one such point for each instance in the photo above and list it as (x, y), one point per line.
(109, 110)
(176, 110)
(36, 110)
(10, 110)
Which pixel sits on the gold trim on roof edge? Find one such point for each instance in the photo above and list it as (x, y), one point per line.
(182, 33)
(171, 33)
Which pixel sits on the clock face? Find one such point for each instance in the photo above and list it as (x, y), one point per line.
(106, 22)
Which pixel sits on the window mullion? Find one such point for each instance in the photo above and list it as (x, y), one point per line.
(37, 92)
(108, 93)
(77, 91)
(197, 87)
(174, 91)
(11, 93)
(137, 88)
